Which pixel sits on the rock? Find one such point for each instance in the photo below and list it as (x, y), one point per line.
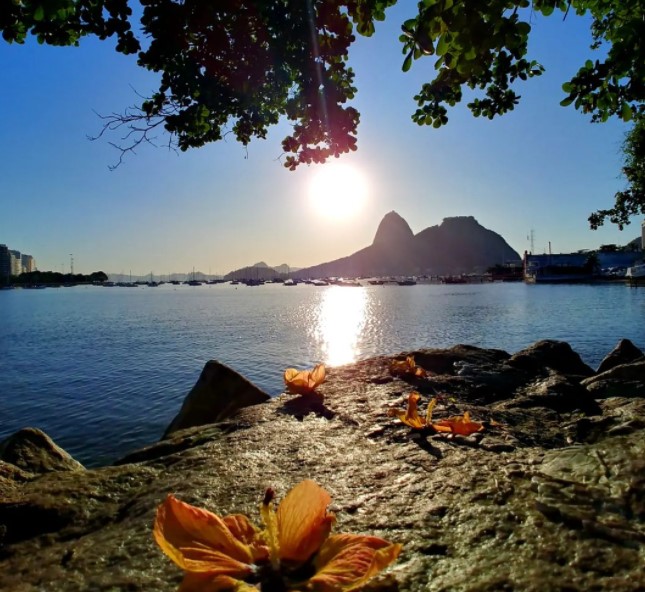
(547, 353)
(33, 450)
(555, 392)
(626, 380)
(217, 395)
(450, 360)
(598, 489)
(624, 353)
(513, 508)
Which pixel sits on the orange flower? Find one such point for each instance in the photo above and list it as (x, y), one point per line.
(458, 425)
(452, 425)
(304, 382)
(294, 551)
(406, 367)
(411, 415)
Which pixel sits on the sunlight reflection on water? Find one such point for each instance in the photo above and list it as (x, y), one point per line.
(340, 323)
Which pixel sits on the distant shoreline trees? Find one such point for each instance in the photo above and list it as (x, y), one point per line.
(45, 278)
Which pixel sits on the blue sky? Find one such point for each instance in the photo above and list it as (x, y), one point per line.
(542, 167)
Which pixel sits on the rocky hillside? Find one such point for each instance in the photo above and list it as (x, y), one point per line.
(549, 496)
(458, 245)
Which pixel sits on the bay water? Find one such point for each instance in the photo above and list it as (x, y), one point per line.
(104, 370)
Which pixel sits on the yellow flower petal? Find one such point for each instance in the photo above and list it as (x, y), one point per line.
(407, 366)
(318, 375)
(244, 531)
(185, 533)
(204, 582)
(303, 521)
(304, 381)
(458, 425)
(411, 415)
(346, 561)
(431, 407)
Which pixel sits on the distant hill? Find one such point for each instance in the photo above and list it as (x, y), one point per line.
(261, 271)
(457, 245)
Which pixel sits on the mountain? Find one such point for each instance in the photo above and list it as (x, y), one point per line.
(458, 245)
(261, 271)
(284, 268)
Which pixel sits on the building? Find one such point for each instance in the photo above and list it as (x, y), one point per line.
(28, 264)
(5, 262)
(16, 262)
(577, 267)
(643, 236)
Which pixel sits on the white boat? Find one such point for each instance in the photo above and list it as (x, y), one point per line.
(636, 271)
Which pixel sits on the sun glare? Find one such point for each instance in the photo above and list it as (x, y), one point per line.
(338, 191)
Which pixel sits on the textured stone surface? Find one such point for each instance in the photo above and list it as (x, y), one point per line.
(33, 450)
(541, 500)
(548, 353)
(626, 380)
(219, 392)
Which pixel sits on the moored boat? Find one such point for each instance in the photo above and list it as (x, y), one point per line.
(636, 271)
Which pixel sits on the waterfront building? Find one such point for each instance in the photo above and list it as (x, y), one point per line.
(577, 267)
(5, 262)
(16, 262)
(28, 264)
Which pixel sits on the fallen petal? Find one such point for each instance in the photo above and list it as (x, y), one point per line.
(346, 561)
(458, 425)
(304, 381)
(204, 582)
(411, 415)
(303, 521)
(185, 532)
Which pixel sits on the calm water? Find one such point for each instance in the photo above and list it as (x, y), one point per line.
(104, 370)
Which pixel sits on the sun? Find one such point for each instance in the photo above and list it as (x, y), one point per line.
(338, 191)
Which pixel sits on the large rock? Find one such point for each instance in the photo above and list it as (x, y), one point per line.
(549, 353)
(625, 352)
(540, 500)
(218, 394)
(555, 392)
(626, 380)
(32, 450)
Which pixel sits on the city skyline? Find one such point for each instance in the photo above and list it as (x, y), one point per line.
(541, 168)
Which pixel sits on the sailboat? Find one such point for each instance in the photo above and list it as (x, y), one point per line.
(193, 281)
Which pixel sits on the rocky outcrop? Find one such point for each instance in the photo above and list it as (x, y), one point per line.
(32, 450)
(626, 380)
(550, 354)
(219, 392)
(624, 353)
(548, 497)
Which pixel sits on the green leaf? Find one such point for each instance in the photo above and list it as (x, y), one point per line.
(626, 112)
(39, 13)
(407, 63)
(523, 29)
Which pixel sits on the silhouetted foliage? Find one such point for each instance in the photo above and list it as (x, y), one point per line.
(238, 66)
(631, 201)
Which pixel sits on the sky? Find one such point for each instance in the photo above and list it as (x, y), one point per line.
(540, 170)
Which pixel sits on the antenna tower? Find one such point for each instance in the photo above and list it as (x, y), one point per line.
(71, 263)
